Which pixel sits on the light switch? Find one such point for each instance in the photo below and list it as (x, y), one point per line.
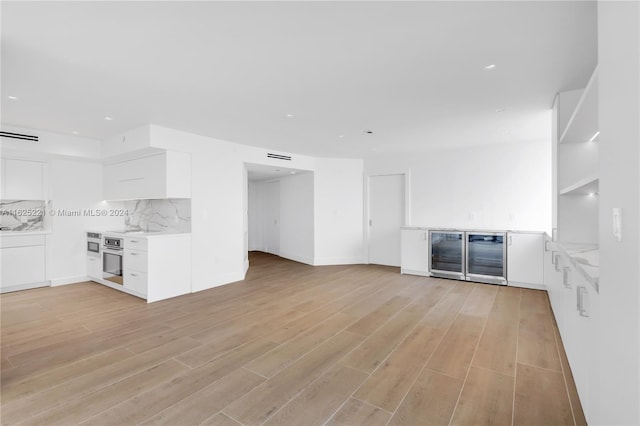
(617, 223)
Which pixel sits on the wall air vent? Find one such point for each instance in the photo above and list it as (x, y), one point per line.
(29, 138)
(279, 157)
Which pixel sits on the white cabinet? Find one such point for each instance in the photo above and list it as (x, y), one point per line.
(164, 175)
(525, 259)
(157, 267)
(94, 267)
(414, 251)
(22, 180)
(23, 262)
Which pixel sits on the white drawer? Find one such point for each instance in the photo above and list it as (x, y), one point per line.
(7, 241)
(136, 281)
(135, 259)
(135, 243)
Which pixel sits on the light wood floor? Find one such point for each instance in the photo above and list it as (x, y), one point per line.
(290, 345)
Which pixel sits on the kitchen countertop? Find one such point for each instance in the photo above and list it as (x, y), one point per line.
(426, 228)
(20, 233)
(142, 234)
(585, 258)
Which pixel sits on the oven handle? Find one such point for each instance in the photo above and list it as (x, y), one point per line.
(112, 251)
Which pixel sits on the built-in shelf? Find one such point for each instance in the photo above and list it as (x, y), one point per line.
(583, 123)
(586, 186)
(585, 258)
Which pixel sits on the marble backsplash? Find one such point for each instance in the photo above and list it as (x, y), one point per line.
(22, 215)
(167, 215)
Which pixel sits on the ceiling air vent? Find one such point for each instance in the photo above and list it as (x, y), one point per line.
(29, 138)
(279, 157)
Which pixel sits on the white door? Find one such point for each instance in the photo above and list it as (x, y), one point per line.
(272, 217)
(386, 216)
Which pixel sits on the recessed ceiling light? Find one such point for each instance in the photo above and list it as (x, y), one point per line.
(289, 115)
(374, 149)
(595, 135)
(108, 118)
(341, 136)
(490, 67)
(500, 110)
(75, 132)
(293, 172)
(13, 98)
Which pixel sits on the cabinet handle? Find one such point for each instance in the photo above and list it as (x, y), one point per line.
(510, 240)
(556, 257)
(565, 276)
(133, 254)
(581, 292)
(546, 245)
(425, 236)
(554, 234)
(133, 241)
(133, 275)
(91, 259)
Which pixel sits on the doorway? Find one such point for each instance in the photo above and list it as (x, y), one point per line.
(386, 217)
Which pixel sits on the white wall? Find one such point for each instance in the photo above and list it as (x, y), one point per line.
(255, 227)
(297, 218)
(74, 186)
(264, 216)
(506, 186)
(50, 144)
(339, 211)
(618, 395)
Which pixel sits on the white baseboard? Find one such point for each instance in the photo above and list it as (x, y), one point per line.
(527, 285)
(70, 280)
(415, 272)
(246, 267)
(339, 261)
(218, 280)
(297, 258)
(24, 287)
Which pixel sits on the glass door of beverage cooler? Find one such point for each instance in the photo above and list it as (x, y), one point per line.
(486, 257)
(447, 254)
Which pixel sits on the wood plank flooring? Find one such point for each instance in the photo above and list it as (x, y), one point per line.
(290, 345)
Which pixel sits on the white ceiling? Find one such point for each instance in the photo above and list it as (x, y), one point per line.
(412, 72)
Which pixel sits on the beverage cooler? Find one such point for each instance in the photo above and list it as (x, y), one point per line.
(471, 256)
(447, 254)
(486, 257)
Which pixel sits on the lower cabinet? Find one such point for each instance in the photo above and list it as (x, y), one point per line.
(94, 267)
(575, 305)
(158, 267)
(23, 262)
(414, 251)
(525, 259)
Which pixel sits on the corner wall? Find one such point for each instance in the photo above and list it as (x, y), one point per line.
(618, 391)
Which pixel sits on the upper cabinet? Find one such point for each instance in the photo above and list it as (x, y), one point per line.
(22, 180)
(164, 175)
